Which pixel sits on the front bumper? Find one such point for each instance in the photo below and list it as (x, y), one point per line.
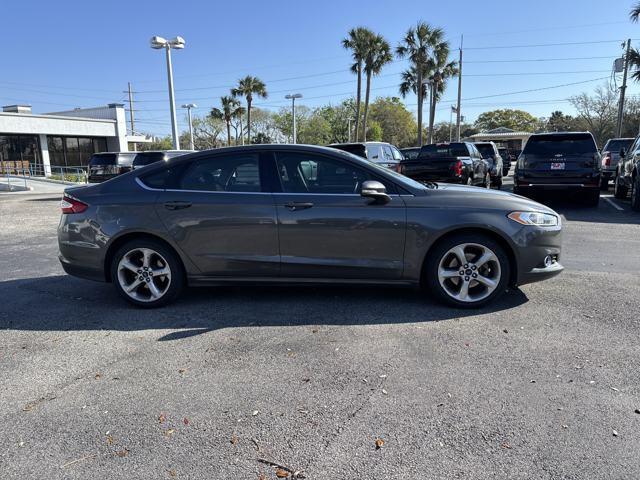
(533, 246)
(539, 274)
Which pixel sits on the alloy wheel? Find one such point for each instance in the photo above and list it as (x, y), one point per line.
(469, 272)
(144, 274)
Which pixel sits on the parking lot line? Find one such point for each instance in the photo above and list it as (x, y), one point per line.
(613, 204)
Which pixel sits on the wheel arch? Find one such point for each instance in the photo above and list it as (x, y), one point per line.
(119, 241)
(493, 234)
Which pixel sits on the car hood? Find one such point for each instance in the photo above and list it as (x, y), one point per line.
(483, 198)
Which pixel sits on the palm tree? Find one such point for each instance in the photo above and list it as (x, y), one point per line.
(634, 14)
(247, 88)
(417, 45)
(357, 41)
(229, 108)
(634, 55)
(377, 56)
(440, 70)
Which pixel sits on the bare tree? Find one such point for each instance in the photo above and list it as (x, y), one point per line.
(597, 112)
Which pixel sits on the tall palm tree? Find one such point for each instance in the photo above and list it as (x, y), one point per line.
(417, 45)
(247, 88)
(440, 70)
(228, 111)
(377, 56)
(634, 14)
(634, 55)
(357, 41)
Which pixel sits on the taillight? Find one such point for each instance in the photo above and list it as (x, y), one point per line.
(72, 205)
(457, 168)
(606, 160)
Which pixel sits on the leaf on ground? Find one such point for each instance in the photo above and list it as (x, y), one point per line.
(506, 445)
(185, 420)
(109, 440)
(182, 370)
(234, 440)
(98, 376)
(384, 392)
(172, 472)
(169, 432)
(379, 443)
(281, 473)
(255, 412)
(162, 418)
(122, 453)
(315, 330)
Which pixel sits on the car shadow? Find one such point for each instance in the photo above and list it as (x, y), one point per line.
(65, 303)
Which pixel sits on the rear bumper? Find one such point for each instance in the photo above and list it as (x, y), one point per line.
(81, 271)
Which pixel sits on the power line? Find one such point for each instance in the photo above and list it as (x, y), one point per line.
(524, 60)
(500, 47)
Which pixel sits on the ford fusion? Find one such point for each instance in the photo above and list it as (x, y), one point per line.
(292, 214)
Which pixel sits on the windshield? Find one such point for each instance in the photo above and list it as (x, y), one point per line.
(103, 159)
(146, 158)
(446, 150)
(617, 145)
(354, 148)
(560, 144)
(486, 150)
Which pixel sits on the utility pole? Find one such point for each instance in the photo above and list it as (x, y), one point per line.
(189, 106)
(458, 109)
(133, 132)
(623, 89)
(293, 97)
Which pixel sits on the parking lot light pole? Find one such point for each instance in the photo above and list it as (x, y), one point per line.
(189, 106)
(293, 97)
(177, 43)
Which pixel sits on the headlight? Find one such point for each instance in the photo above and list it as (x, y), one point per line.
(535, 218)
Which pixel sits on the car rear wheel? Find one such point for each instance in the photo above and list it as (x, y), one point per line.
(635, 194)
(467, 271)
(147, 273)
(619, 191)
(487, 181)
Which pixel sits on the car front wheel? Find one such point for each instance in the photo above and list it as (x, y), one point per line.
(619, 191)
(147, 273)
(467, 271)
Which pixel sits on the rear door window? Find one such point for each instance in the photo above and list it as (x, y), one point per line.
(223, 173)
(445, 150)
(551, 145)
(486, 150)
(147, 158)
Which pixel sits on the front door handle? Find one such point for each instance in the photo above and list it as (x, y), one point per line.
(176, 205)
(293, 206)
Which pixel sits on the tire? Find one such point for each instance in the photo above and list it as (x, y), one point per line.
(498, 183)
(635, 194)
(469, 181)
(142, 258)
(449, 287)
(592, 199)
(604, 184)
(487, 181)
(619, 191)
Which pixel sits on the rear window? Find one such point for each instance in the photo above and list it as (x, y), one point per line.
(411, 154)
(355, 148)
(146, 158)
(447, 150)
(560, 144)
(617, 145)
(485, 149)
(103, 159)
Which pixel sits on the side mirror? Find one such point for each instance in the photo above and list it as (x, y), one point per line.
(622, 153)
(376, 191)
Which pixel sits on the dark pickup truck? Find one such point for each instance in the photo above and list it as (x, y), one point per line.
(457, 162)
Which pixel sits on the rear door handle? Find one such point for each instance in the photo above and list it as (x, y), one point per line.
(176, 205)
(293, 206)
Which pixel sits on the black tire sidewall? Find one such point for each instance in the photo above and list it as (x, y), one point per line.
(430, 272)
(635, 194)
(177, 272)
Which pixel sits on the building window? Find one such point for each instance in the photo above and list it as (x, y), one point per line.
(74, 151)
(18, 152)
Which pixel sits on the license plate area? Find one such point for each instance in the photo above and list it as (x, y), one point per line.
(557, 165)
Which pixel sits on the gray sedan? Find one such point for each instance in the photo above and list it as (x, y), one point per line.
(298, 214)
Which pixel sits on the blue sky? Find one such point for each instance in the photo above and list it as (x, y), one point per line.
(60, 55)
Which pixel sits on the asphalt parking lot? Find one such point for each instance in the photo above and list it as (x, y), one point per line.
(545, 384)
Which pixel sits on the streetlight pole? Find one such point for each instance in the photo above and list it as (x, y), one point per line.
(177, 43)
(349, 120)
(189, 106)
(293, 97)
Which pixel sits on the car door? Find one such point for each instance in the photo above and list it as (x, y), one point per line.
(221, 218)
(327, 229)
(479, 165)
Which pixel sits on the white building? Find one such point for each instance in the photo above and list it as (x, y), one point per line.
(42, 142)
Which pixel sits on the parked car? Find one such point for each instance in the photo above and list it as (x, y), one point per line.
(104, 166)
(490, 154)
(561, 162)
(305, 215)
(627, 176)
(381, 153)
(507, 158)
(457, 162)
(611, 157)
(410, 153)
